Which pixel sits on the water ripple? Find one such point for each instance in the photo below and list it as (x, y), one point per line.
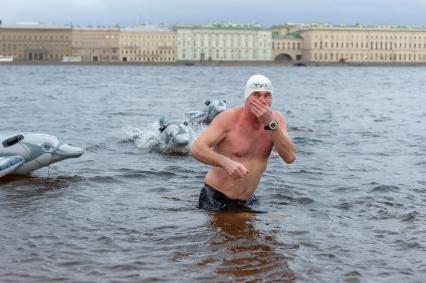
(350, 209)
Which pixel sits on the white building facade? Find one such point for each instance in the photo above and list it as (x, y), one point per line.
(224, 42)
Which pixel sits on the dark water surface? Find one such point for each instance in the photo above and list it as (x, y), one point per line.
(350, 209)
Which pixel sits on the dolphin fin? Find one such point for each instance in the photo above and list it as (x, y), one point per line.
(8, 164)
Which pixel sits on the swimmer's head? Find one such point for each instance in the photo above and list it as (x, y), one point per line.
(257, 83)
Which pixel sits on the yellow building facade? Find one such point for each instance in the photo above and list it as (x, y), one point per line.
(375, 45)
(148, 44)
(287, 48)
(35, 43)
(96, 44)
(287, 45)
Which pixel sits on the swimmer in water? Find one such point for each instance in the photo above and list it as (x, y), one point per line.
(237, 145)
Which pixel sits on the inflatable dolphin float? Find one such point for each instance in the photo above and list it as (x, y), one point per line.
(174, 136)
(206, 116)
(20, 154)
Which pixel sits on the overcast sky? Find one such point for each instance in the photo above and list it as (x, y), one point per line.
(265, 12)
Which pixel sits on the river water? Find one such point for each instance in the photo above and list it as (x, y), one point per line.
(350, 209)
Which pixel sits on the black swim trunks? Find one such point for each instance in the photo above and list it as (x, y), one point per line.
(213, 200)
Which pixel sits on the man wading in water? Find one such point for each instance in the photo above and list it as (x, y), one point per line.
(237, 145)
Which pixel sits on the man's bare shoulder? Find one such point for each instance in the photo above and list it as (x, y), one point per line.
(218, 128)
(229, 115)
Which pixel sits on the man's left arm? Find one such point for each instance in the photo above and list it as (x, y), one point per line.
(282, 141)
(280, 137)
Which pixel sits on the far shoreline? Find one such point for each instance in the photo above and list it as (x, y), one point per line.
(214, 64)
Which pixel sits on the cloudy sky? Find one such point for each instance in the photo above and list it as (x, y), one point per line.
(265, 12)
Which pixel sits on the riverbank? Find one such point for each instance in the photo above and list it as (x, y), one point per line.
(228, 63)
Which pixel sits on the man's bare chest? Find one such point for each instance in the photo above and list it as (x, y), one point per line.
(248, 143)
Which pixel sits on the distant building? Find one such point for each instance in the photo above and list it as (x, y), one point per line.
(287, 48)
(96, 44)
(148, 44)
(35, 43)
(287, 45)
(362, 44)
(224, 42)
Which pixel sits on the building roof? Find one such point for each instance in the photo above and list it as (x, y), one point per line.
(292, 35)
(148, 28)
(360, 27)
(34, 26)
(78, 29)
(224, 26)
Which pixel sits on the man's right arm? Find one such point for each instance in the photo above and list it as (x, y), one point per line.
(202, 148)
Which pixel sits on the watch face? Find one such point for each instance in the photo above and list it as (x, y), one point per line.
(273, 125)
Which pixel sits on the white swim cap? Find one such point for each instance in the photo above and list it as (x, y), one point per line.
(257, 83)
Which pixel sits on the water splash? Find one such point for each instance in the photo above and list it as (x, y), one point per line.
(149, 138)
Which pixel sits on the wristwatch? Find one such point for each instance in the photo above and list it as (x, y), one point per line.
(271, 126)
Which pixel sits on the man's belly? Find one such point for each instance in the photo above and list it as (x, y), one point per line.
(242, 188)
